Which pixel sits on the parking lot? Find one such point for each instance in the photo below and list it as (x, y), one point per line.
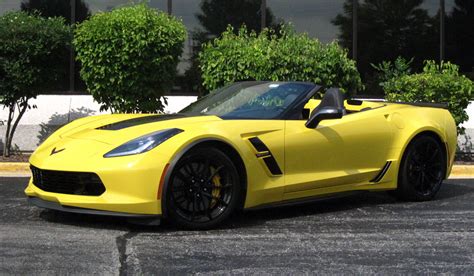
(364, 233)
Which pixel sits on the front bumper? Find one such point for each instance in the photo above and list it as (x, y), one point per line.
(56, 206)
(131, 182)
(130, 191)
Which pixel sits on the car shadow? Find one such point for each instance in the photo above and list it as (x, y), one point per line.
(252, 218)
(57, 120)
(447, 193)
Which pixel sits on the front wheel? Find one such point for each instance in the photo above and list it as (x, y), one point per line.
(422, 170)
(204, 189)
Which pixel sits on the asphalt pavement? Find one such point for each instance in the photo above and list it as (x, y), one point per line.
(360, 234)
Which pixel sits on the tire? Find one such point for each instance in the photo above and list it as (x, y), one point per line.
(204, 189)
(422, 170)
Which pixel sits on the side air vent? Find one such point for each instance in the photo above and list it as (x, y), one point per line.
(258, 144)
(264, 152)
(382, 172)
(272, 165)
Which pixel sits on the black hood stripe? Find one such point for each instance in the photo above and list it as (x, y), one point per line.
(141, 121)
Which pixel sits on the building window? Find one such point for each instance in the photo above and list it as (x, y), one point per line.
(388, 29)
(313, 17)
(460, 34)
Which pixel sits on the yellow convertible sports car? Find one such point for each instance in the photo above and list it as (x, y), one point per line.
(248, 145)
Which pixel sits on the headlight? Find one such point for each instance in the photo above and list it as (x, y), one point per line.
(144, 143)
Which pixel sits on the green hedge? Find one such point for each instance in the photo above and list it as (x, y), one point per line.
(278, 57)
(129, 57)
(440, 83)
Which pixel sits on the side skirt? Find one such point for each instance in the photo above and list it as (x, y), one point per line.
(305, 200)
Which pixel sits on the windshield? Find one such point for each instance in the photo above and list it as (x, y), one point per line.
(250, 100)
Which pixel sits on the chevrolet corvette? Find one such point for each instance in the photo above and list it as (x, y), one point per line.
(248, 145)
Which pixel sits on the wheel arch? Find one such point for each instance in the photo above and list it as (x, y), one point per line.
(220, 144)
(436, 134)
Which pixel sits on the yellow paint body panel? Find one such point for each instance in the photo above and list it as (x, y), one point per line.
(338, 156)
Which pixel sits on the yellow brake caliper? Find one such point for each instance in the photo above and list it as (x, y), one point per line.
(216, 191)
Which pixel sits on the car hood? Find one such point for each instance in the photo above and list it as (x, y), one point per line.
(119, 128)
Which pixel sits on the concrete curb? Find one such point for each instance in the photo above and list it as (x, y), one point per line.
(462, 171)
(14, 167)
(20, 169)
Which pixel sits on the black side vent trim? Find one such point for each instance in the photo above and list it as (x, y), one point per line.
(272, 165)
(258, 144)
(382, 172)
(266, 154)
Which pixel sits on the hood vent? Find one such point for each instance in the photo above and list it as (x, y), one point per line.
(140, 121)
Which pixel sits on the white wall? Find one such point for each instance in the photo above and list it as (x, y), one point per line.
(470, 111)
(49, 105)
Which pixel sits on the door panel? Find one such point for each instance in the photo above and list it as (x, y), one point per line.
(340, 151)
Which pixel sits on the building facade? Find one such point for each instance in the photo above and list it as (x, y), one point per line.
(371, 30)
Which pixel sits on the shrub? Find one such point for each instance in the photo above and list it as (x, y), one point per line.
(387, 70)
(278, 57)
(129, 57)
(32, 49)
(440, 83)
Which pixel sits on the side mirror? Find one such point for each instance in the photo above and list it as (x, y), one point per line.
(325, 113)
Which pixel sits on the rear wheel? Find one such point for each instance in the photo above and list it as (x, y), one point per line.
(422, 170)
(204, 189)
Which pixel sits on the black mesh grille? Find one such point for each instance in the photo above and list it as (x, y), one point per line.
(73, 183)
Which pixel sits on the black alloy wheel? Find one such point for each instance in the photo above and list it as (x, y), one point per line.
(422, 170)
(204, 189)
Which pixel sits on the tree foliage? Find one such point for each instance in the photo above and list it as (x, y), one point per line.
(387, 70)
(31, 50)
(268, 56)
(129, 57)
(440, 83)
(54, 8)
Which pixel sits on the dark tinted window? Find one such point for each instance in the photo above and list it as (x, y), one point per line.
(460, 34)
(311, 16)
(388, 29)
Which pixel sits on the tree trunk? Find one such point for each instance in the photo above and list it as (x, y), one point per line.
(6, 148)
(22, 107)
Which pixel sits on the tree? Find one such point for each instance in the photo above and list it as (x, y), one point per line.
(53, 8)
(268, 56)
(460, 35)
(30, 51)
(214, 18)
(388, 29)
(129, 57)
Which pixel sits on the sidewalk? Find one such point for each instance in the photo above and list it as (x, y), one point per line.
(17, 169)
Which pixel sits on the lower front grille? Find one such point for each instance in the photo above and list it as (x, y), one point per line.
(73, 183)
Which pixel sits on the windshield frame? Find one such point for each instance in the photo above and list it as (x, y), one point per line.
(288, 113)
